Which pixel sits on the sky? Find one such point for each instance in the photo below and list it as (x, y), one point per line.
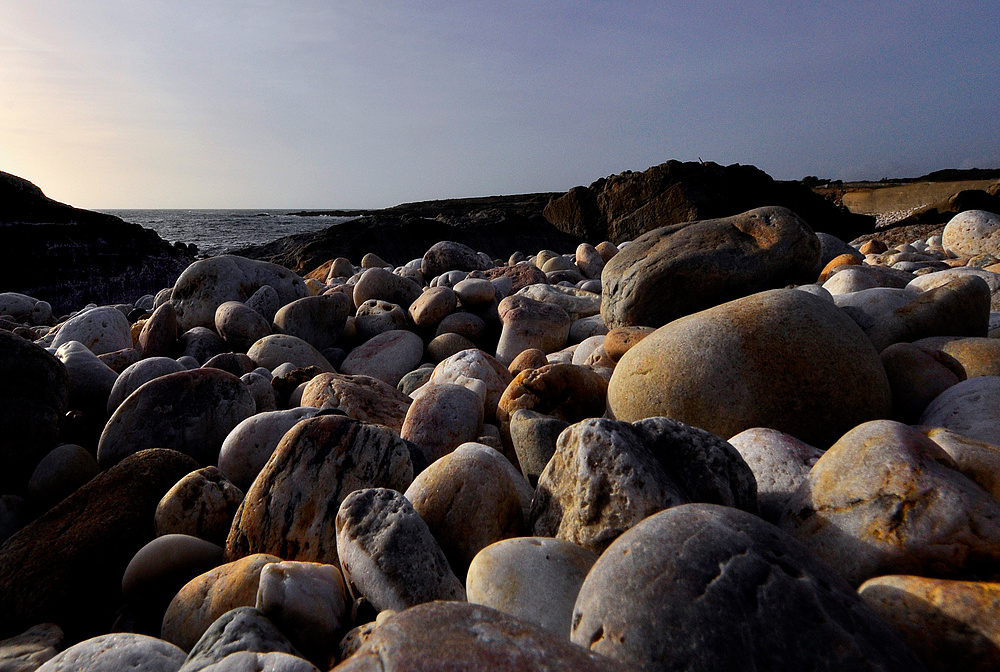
(343, 104)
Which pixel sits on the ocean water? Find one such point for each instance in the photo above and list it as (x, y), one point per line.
(218, 231)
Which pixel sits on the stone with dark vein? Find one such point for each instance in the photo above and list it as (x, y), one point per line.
(291, 508)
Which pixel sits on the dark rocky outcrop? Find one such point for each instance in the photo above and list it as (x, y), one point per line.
(624, 206)
(70, 257)
(498, 226)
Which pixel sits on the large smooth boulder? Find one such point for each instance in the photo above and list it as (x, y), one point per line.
(66, 567)
(971, 408)
(277, 349)
(136, 375)
(782, 359)
(34, 392)
(290, 510)
(208, 283)
(680, 269)
(249, 446)
(189, 411)
(972, 232)
(706, 587)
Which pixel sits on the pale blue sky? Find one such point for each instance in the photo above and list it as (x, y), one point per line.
(314, 104)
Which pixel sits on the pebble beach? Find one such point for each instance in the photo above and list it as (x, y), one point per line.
(730, 444)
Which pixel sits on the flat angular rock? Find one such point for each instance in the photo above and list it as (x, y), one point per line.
(289, 509)
(207, 597)
(388, 356)
(534, 578)
(249, 446)
(116, 652)
(208, 283)
(885, 499)
(705, 587)
(363, 398)
(676, 270)
(189, 411)
(388, 553)
(202, 504)
(468, 637)
(239, 630)
(951, 625)
(101, 330)
(66, 567)
(782, 359)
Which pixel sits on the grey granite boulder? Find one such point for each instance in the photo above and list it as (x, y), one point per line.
(242, 629)
(705, 587)
(388, 553)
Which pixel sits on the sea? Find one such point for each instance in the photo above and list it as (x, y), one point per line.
(219, 231)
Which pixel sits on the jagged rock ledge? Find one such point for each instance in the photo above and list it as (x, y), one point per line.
(71, 257)
(496, 225)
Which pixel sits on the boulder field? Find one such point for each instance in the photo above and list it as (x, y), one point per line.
(729, 443)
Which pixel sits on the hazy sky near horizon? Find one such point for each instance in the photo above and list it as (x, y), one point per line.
(324, 104)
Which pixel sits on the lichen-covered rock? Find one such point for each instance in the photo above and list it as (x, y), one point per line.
(189, 411)
(951, 625)
(388, 553)
(289, 510)
(885, 499)
(680, 269)
(705, 587)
